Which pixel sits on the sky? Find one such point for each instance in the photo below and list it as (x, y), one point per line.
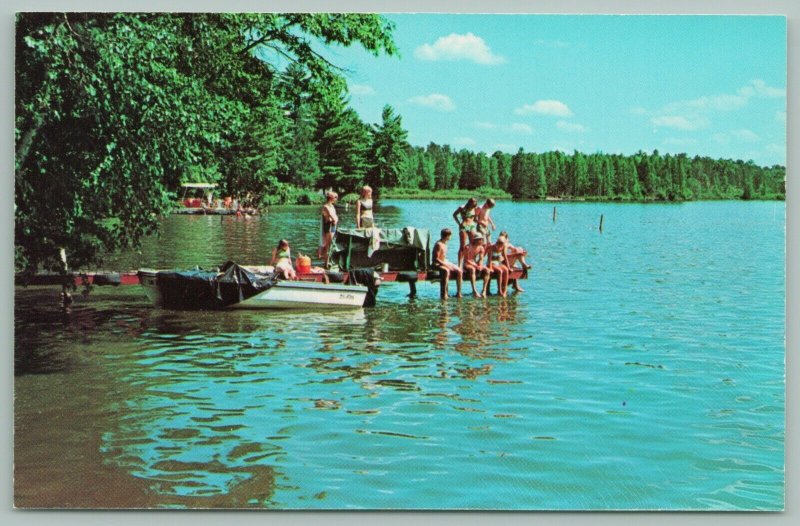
(702, 85)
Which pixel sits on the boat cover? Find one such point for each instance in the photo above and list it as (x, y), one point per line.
(406, 248)
(204, 289)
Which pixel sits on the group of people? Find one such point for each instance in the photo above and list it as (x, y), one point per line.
(477, 255)
(281, 255)
(330, 220)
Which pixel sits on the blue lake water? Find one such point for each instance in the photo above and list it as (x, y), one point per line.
(641, 368)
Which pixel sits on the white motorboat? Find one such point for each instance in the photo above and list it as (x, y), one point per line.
(247, 290)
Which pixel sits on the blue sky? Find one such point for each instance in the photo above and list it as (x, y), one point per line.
(706, 85)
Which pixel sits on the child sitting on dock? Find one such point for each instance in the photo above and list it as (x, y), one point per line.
(282, 260)
(441, 264)
(514, 255)
(498, 264)
(474, 254)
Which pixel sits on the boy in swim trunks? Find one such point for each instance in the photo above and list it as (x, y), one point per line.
(441, 264)
(484, 220)
(473, 264)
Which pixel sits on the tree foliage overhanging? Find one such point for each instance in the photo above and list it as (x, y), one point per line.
(114, 111)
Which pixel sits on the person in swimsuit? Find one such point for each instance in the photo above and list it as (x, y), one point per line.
(441, 264)
(497, 263)
(514, 255)
(473, 264)
(329, 222)
(282, 260)
(364, 218)
(484, 220)
(465, 217)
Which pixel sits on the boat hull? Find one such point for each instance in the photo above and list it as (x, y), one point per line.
(306, 295)
(282, 295)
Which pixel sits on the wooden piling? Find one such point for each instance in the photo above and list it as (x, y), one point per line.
(555, 214)
(601, 223)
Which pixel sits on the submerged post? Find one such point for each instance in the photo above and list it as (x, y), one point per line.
(554, 214)
(601, 223)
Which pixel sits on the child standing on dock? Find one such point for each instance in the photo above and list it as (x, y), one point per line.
(329, 221)
(441, 264)
(364, 218)
(484, 220)
(465, 218)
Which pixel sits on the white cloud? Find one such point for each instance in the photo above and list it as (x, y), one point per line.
(745, 135)
(693, 114)
(464, 141)
(680, 122)
(518, 127)
(435, 101)
(711, 103)
(361, 89)
(486, 125)
(459, 47)
(758, 87)
(570, 127)
(545, 107)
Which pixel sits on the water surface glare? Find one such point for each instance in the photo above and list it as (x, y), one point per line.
(641, 368)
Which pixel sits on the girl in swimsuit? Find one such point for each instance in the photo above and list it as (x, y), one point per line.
(364, 217)
(497, 263)
(466, 225)
(282, 260)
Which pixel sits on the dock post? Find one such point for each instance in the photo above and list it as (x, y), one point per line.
(601, 223)
(554, 214)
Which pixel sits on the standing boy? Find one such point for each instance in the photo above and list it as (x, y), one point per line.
(484, 219)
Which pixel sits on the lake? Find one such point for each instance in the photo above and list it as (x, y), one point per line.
(641, 368)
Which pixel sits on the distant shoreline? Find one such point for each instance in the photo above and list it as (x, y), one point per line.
(447, 195)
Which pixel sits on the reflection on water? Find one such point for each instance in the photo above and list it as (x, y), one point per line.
(641, 369)
(225, 401)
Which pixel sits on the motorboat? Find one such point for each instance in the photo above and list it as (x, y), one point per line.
(238, 287)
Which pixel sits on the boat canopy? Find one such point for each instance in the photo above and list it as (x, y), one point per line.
(403, 249)
(204, 289)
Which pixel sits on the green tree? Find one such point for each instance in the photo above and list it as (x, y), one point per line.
(113, 111)
(302, 159)
(343, 143)
(389, 141)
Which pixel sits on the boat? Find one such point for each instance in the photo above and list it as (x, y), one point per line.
(397, 249)
(238, 287)
(198, 199)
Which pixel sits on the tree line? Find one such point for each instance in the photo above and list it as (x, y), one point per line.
(640, 177)
(115, 110)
